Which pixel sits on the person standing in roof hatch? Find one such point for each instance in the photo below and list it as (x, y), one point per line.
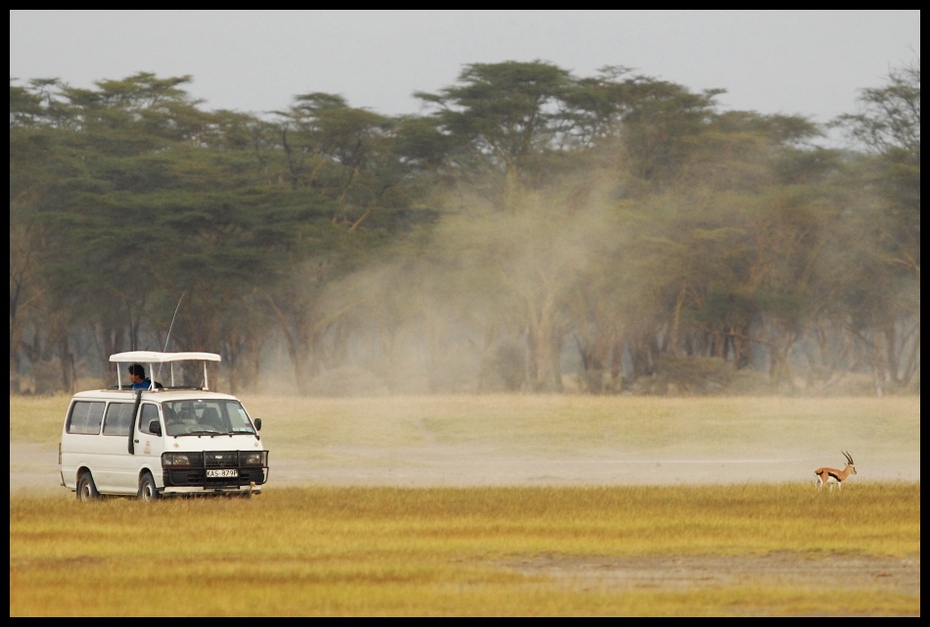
(138, 378)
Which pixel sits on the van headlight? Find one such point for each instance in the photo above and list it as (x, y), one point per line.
(181, 460)
(255, 458)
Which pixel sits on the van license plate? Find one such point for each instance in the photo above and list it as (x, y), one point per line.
(222, 472)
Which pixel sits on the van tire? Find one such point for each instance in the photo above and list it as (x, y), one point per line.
(147, 489)
(86, 489)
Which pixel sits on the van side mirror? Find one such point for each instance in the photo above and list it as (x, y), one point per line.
(155, 427)
(258, 424)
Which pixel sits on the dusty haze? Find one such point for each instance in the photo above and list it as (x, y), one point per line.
(34, 467)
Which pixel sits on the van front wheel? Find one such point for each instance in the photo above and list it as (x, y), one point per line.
(147, 489)
(86, 490)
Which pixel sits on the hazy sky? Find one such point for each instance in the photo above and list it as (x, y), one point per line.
(793, 62)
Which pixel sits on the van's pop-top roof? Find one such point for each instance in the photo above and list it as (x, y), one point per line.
(155, 357)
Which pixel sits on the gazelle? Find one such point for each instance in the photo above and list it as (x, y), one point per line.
(832, 475)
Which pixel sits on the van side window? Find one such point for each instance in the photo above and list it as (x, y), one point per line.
(86, 417)
(118, 419)
(146, 416)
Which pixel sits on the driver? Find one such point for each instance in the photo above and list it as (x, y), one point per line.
(188, 415)
(181, 420)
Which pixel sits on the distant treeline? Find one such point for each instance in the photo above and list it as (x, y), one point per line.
(531, 230)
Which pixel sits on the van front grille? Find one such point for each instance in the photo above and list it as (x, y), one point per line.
(221, 459)
(197, 476)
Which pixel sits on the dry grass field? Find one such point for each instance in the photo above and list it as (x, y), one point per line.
(508, 505)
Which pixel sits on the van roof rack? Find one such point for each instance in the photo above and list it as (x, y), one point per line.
(156, 357)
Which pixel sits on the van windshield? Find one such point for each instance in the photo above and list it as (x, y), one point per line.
(206, 417)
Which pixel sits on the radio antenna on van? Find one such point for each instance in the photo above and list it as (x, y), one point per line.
(171, 326)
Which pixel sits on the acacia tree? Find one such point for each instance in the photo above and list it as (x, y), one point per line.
(504, 118)
(32, 152)
(537, 132)
(41, 154)
(888, 125)
(153, 198)
(362, 168)
(339, 152)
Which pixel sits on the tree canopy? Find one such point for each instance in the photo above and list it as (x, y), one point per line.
(531, 230)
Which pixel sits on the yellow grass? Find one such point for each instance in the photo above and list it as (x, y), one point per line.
(388, 551)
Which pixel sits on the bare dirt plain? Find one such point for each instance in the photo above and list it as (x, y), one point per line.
(34, 467)
(895, 575)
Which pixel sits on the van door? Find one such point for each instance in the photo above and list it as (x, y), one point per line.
(149, 445)
(114, 472)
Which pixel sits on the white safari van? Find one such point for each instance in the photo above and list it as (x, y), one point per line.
(162, 439)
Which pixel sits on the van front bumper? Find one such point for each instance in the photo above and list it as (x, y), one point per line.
(216, 471)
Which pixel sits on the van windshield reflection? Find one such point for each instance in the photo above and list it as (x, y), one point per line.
(206, 417)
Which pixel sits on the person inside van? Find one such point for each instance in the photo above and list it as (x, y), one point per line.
(138, 378)
(180, 419)
(188, 415)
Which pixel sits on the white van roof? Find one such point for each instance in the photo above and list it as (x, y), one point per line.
(156, 357)
(164, 395)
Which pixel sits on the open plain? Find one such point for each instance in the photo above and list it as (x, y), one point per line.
(569, 445)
